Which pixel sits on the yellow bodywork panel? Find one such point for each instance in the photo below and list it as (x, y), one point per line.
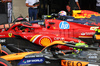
(84, 13)
(73, 63)
(17, 56)
(97, 37)
(56, 42)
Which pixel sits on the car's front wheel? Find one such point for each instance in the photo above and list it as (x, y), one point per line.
(4, 51)
(3, 62)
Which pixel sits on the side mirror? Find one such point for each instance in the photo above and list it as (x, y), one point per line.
(48, 27)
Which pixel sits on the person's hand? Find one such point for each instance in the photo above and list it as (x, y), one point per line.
(32, 6)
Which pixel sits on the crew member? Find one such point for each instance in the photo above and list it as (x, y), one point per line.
(98, 6)
(32, 10)
(72, 5)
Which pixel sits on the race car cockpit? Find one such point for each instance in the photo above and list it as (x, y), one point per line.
(90, 54)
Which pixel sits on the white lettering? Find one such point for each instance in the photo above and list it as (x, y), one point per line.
(64, 25)
(2, 40)
(35, 60)
(58, 38)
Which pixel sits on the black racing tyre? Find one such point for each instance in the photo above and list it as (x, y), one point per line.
(4, 51)
(4, 62)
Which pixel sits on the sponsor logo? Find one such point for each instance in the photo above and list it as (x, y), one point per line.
(34, 60)
(82, 33)
(31, 61)
(30, 56)
(2, 35)
(88, 33)
(58, 38)
(92, 56)
(39, 55)
(92, 65)
(93, 28)
(10, 34)
(73, 63)
(47, 62)
(69, 19)
(45, 40)
(24, 61)
(64, 25)
(2, 40)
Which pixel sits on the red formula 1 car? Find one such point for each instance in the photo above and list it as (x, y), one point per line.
(20, 37)
(71, 29)
(25, 37)
(84, 13)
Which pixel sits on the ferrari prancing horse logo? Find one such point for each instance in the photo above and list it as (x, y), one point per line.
(10, 34)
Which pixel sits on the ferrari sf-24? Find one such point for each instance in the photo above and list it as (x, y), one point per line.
(27, 37)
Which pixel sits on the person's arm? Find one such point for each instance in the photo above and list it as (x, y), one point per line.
(77, 4)
(36, 5)
(29, 5)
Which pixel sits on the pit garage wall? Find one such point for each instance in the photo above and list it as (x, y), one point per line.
(19, 8)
